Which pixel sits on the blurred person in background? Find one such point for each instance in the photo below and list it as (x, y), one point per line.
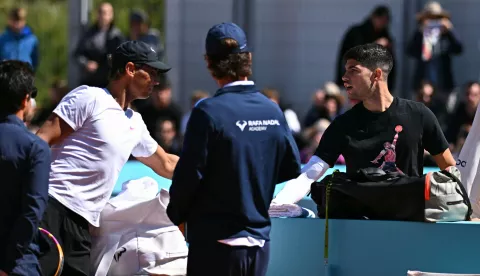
(313, 135)
(462, 117)
(159, 106)
(290, 115)
(333, 106)
(433, 45)
(18, 41)
(24, 166)
(99, 40)
(319, 109)
(426, 94)
(374, 29)
(140, 30)
(196, 96)
(167, 137)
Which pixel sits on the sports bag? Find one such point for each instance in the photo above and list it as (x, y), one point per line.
(372, 193)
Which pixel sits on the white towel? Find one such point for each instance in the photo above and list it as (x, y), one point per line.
(136, 236)
(285, 210)
(468, 164)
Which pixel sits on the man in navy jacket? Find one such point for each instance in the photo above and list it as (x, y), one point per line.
(237, 147)
(24, 167)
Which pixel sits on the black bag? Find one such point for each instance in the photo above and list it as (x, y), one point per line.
(371, 193)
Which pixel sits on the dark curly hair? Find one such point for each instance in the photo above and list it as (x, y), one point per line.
(16, 83)
(233, 66)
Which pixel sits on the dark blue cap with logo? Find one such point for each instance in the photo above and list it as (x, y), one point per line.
(138, 52)
(219, 32)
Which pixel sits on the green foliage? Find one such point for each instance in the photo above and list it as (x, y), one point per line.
(49, 21)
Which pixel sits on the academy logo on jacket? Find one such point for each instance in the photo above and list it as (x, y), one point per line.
(256, 125)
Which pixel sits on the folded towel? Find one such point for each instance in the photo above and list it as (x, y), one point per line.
(289, 211)
(284, 210)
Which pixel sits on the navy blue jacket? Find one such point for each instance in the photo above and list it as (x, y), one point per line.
(237, 147)
(24, 167)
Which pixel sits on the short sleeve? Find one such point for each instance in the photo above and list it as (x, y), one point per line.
(332, 143)
(76, 107)
(433, 139)
(147, 145)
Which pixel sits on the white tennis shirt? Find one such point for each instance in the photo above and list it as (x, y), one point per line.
(85, 165)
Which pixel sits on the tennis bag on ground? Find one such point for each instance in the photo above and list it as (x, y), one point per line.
(372, 193)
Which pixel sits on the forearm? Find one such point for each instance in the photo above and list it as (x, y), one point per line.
(295, 189)
(173, 159)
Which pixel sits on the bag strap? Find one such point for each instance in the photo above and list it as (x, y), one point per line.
(464, 193)
(328, 187)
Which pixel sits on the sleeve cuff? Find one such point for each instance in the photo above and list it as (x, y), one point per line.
(65, 119)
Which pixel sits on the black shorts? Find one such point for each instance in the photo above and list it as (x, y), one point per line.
(72, 232)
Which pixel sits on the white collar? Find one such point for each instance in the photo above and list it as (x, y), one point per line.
(236, 83)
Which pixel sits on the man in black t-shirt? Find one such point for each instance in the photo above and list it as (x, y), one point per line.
(380, 131)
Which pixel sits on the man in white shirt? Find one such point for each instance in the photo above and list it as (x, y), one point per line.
(92, 133)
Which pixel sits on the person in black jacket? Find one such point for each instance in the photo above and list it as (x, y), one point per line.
(373, 29)
(432, 46)
(237, 147)
(100, 39)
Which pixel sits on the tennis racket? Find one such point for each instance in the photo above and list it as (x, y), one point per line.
(55, 246)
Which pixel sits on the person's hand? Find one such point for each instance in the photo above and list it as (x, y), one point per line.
(91, 67)
(446, 25)
(3, 273)
(382, 41)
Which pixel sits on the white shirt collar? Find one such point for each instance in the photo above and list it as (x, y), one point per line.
(236, 83)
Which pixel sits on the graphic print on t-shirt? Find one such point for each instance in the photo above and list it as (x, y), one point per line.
(389, 154)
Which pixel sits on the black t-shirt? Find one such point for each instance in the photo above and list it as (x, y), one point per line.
(392, 140)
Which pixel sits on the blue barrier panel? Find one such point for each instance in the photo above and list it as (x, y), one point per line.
(372, 248)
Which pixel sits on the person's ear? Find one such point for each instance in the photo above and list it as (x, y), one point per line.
(25, 101)
(130, 69)
(378, 74)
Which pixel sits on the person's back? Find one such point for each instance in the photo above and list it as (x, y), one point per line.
(243, 167)
(24, 166)
(237, 147)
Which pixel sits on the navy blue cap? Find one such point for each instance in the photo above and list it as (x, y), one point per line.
(219, 32)
(138, 52)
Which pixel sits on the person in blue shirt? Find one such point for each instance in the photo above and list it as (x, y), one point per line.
(24, 167)
(237, 147)
(18, 42)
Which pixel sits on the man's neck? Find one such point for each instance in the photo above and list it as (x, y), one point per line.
(223, 82)
(119, 93)
(21, 115)
(380, 101)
